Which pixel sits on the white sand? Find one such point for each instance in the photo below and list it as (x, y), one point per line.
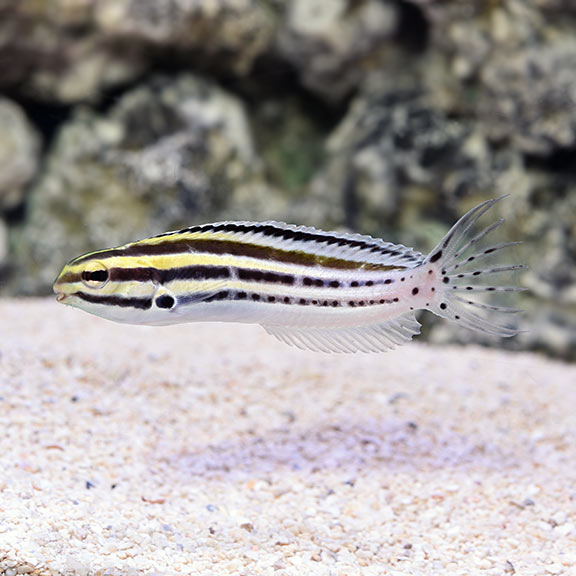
(213, 449)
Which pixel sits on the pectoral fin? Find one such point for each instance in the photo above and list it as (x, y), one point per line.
(169, 299)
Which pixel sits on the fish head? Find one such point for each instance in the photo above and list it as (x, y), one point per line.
(98, 283)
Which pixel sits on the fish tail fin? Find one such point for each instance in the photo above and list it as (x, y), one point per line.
(465, 269)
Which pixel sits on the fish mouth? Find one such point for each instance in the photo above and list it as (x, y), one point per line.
(62, 297)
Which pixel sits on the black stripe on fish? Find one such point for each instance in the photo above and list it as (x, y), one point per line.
(254, 275)
(139, 303)
(280, 299)
(163, 276)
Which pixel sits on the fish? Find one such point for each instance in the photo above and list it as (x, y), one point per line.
(315, 290)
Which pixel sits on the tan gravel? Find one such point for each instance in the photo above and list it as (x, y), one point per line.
(214, 449)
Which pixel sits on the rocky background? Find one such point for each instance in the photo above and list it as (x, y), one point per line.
(124, 118)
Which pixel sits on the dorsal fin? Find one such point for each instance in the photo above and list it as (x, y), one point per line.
(289, 237)
(368, 338)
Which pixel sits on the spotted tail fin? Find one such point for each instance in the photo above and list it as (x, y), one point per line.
(466, 269)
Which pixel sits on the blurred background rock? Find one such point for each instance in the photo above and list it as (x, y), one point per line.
(124, 118)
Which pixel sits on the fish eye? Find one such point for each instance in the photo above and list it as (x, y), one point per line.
(95, 275)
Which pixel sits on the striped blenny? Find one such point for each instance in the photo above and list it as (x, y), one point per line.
(315, 290)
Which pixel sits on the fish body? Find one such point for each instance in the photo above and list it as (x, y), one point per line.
(315, 290)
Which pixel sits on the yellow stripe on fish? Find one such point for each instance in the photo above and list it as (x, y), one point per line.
(315, 290)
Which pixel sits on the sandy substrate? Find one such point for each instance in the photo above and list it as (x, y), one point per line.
(214, 449)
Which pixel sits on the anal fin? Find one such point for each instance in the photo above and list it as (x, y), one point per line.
(365, 338)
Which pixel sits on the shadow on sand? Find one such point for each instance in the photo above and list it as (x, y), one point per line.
(346, 447)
